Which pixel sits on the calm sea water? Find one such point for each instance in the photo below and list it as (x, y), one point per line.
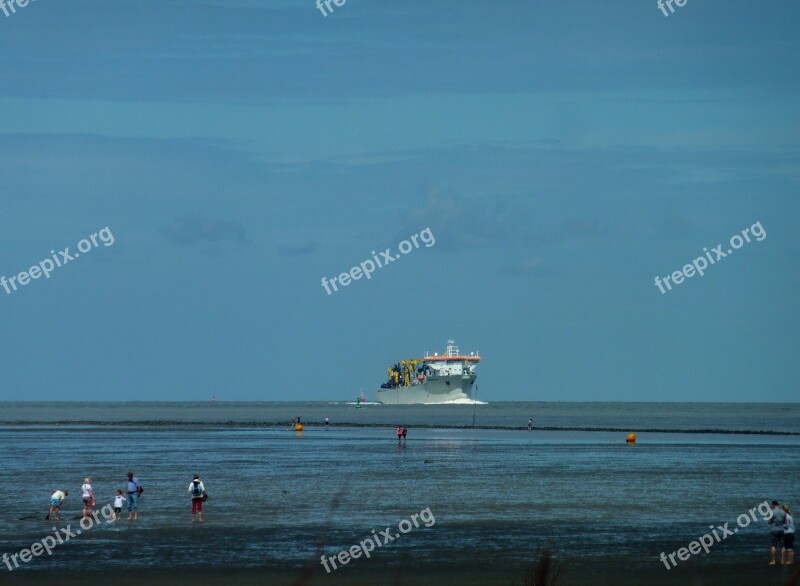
(632, 416)
(498, 496)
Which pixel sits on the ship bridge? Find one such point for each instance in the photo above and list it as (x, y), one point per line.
(452, 362)
(452, 353)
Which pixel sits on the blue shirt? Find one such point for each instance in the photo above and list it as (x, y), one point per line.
(777, 520)
(133, 485)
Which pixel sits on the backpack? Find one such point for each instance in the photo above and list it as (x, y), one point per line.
(196, 490)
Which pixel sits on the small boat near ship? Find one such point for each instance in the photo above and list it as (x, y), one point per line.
(431, 379)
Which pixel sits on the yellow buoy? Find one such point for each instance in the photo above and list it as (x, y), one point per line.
(631, 438)
(298, 427)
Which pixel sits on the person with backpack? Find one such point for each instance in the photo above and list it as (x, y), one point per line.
(198, 493)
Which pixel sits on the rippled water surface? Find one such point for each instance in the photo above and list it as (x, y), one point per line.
(498, 496)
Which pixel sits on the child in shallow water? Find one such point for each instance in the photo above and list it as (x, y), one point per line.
(119, 502)
(56, 500)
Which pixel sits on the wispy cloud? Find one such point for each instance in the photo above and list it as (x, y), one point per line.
(198, 229)
(525, 266)
(460, 222)
(296, 249)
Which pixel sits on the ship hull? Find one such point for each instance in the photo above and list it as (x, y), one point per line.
(443, 389)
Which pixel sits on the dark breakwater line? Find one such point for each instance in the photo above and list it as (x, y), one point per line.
(343, 425)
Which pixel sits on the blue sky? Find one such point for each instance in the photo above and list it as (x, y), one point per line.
(563, 155)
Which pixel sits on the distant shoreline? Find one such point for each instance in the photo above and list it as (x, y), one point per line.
(341, 425)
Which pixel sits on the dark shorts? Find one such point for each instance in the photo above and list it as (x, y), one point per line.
(87, 502)
(117, 509)
(788, 539)
(777, 539)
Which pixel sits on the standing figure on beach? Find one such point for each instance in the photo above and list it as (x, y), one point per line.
(119, 502)
(198, 494)
(399, 433)
(788, 535)
(134, 489)
(56, 500)
(405, 432)
(530, 424)
(87, 496)
(327, 422)
(777, 520)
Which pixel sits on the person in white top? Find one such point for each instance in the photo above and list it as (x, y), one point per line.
(119, 502)
(788, 536)
(88, 497)
(198, 493)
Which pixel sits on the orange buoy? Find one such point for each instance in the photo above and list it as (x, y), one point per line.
(631, 438)
(298, 427)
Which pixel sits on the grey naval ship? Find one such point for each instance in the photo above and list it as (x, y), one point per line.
(431, 379)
